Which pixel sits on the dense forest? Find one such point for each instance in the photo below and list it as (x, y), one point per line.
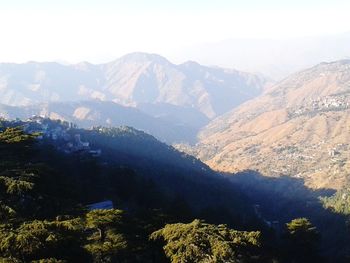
(166, 206)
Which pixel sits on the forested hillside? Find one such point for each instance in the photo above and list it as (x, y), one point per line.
(119, 195)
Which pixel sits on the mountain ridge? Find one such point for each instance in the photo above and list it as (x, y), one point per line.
(90, 113)
(132, 79)
(298, 127)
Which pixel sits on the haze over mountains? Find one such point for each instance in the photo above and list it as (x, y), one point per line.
(275, 58)
(175, 131)
(300, 127)
(296, 131)
(297, 127)
(134, 79)
(141, 78)
(89, 113)
(185, 95)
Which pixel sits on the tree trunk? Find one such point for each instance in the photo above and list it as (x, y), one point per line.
(102, 234)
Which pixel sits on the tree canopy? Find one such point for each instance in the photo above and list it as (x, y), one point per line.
(201, 242)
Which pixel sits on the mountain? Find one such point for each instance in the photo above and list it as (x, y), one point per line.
(103, 194)
(300, 127)
(59, 189)
(173, 172)
(135, 79)
(140, 78)
(87, 114)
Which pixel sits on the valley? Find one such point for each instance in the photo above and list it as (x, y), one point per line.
(299, 128)
(267, 155)
(174, 131)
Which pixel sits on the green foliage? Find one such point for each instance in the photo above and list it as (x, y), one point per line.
(301, 230)
(105, 242)
(49, 260)
(15, 135)
(9, 260)
(113, 245)
(302, 240)
(103, 218)
(32, 239)
(38, 183)
(339, 202)
(6, 212)
(16, 181)
(15, 186)
(44, 193)
(201, 242)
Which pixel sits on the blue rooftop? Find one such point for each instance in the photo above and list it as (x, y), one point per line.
(108, 204)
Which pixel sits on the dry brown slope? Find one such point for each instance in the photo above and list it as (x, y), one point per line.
(300, 127)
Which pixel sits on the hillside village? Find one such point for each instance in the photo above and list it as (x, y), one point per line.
(62, 134)
(322, 104)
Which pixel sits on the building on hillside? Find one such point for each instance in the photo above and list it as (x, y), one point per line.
(95, 153)
(108, 204)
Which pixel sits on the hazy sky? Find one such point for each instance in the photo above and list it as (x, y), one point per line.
(101, 30)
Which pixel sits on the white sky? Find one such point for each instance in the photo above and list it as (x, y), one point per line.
(99, 31)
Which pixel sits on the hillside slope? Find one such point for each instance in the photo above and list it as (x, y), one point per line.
(300, 127)
(74, 195)
(148, 78)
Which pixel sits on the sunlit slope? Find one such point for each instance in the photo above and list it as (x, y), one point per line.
(300, 127)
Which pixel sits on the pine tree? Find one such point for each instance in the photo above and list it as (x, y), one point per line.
(201, 242)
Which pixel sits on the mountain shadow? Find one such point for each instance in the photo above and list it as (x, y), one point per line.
(278, 200)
